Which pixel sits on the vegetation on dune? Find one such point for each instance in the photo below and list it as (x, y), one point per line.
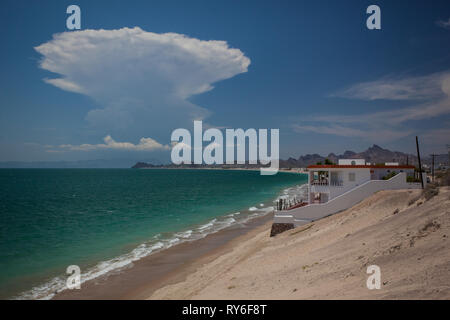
(390, 175)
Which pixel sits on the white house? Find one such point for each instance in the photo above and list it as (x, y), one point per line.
(333, 188)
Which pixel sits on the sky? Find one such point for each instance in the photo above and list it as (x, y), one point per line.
(137, 70)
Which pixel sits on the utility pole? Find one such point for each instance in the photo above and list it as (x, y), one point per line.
(420, 164)
(432, 165)
(448, 150)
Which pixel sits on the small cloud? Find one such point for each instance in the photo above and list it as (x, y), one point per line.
(145, 144)
(65, 85)
(444, 24)
(344, 131)
(333, 130)
(390, 88)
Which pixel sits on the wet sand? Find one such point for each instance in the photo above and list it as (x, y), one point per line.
(141, 278)
(400, 231)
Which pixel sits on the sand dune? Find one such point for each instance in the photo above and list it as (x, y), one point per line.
(401, 232)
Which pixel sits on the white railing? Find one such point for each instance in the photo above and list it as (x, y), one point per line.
(319, 183)
(325, 183)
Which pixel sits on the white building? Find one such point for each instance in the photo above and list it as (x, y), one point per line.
(333, 188)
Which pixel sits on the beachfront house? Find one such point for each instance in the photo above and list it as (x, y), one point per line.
(336, 187)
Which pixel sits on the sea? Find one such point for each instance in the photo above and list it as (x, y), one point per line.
(102, 220)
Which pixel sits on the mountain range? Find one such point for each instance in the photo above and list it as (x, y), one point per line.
(374, 154)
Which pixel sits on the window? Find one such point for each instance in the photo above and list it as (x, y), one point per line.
(353, 163)
(351, 176)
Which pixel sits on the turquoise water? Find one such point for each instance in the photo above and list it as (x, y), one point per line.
(53, 218)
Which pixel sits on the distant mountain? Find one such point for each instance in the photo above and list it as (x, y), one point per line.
(374, 154)
(140, 165)
(99, 164)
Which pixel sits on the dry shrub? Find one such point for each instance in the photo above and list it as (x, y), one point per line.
(430, 191)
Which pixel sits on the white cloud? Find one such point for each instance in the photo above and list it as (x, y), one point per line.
(388, 125)
(444, 24)
(389, 117)
(390, 88)
(342, 131)
(141, 80)
(145, 144)
(332, 129)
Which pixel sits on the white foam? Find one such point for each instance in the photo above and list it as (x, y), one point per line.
(208, 225)
(172, 241)
(58, 284)
(230, 220)
(185, 234)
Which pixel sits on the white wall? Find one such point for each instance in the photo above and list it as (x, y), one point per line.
(349, 162)
(362, 175)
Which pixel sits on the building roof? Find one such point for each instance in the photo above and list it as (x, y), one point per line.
(330, 166)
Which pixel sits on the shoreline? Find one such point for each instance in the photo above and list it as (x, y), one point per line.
(228, 223)
(142, 278)
(401, 231)
(284, 170)
(325, 259)
(220, 231)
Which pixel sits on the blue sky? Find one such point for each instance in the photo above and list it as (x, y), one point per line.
(310, 68)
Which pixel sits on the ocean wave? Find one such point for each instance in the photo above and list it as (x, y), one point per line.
(185, 234)
(56, 285)
(157, 243)
(208, 225)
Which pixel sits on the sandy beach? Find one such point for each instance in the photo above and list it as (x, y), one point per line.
(141, 278)
(401, 232)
